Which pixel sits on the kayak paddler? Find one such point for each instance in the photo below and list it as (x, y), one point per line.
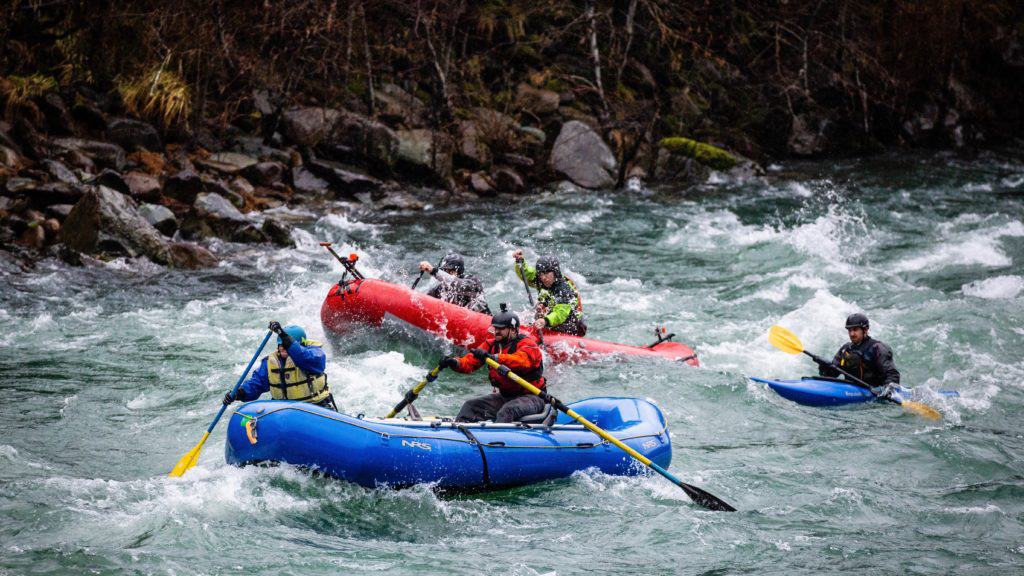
(294, 372)
(559, 306)
(520, 353)
(864, 357)
(454, 285)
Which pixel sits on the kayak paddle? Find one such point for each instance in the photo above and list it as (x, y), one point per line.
(788, 342)
(189, 459)
(699, 496)
(411, 395)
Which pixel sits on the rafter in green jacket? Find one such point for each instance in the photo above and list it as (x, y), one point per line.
(706, 154)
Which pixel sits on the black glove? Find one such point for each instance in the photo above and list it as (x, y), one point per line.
(481, 354)
(450, 362)
(230, 397)
(275, 327)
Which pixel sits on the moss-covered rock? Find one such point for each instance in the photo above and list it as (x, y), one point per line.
(706, 154)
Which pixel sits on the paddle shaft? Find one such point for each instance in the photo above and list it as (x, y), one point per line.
(420, 277)
(852, 378)
(349, 265)
(241, 379)
(522, 276)
(411, 395)
(696, 494)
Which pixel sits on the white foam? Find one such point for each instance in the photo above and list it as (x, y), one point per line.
(973, 246)
(996, 288)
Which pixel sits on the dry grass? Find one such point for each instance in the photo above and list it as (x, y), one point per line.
(160, 95)
(17, 90)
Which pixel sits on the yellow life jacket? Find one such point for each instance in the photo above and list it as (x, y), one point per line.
(288, 382)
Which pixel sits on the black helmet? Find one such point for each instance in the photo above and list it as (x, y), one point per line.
(857, 320)
(547, 263)
(505, 319)
(453, 261)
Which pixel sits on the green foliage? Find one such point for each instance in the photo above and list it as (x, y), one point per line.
(17, 90)
(160, 94)
(706, 154)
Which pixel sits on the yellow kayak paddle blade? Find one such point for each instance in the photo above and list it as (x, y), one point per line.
(785, 340)
(922, 410)
(189, 460)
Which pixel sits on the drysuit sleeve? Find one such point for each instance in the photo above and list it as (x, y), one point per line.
(558, 314)
(256, 385)
(526, 272)
(309, 359)
(565, 300)
(469, 363)
(885, 364)
(527, 356)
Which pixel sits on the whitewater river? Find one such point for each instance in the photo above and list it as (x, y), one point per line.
(110, 374)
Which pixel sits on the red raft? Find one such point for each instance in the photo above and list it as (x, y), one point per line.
(370, 301)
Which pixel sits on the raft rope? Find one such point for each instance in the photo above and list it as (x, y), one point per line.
(480, 447)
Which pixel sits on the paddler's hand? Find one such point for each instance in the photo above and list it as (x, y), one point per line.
(230, 397)
(482, 355)
(450, 362)
(426, 267)
(275, 327)
(540, 324)
(518, 255)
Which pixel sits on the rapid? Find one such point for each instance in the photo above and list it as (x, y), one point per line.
(111, 373)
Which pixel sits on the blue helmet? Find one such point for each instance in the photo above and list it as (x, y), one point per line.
(296, 332)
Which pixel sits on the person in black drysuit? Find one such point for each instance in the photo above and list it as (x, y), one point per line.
(865, 358)
(455, 286)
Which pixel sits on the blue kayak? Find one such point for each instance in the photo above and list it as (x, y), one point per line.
(397, 452)
(818, 391)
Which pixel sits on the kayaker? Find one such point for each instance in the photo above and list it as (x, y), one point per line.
(865, 358)
(455, 286)
(294, 372)
(559, 306)
(520, 353)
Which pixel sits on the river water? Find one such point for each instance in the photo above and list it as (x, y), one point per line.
(111, 373)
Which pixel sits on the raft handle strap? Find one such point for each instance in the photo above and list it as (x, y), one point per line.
(480, 447)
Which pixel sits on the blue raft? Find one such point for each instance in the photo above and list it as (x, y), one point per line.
(811, 391)
(459, 456)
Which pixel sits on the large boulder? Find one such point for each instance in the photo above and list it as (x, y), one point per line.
(134, 134)
(582, 156)
(143, 186)
(307, 182)
(473, 149)
(227, 162)
(398, 106)
(160, 217)
(344, 179)
(807, 135)
(308, 126)
(264, 173)
(191, 256)
(369, 141)
(107, 222)
(214, 215)
(426, 153)
(59, 172)
(183, 186)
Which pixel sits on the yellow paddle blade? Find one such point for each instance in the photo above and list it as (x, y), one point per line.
(785, 340)
(189, 460)
(922, 410)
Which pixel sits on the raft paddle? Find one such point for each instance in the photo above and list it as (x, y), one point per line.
(189, 459)
(699, 496)
(522, 276)
(420, 277)
(788, 342)
(411, 395)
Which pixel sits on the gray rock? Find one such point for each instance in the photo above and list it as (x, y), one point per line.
(278, 232)
(41, 195)
(481, 183)
(807, 135)
(59, 211)
(9, 158)
(143, 186)
(253, 146)
(189, 256)
(19, 184)
(264, 173)
(517, 160)
(369, 140)
(536, 134)
(183, 186)
(308, 126)
(107, 222)
(397, 105)
(507, 180)
(227, 162)
(111, 179)
(216, 207)
(214, 215)
(473, 149)
(160, 217)
(426, 153)
(90, 116)
(134, 134)
(581, 155)
(344, 179)
(57, 116)
(60, 172)
(104, 153)
(677, 168)
(305, 181)
(537, 101)
(399, 200)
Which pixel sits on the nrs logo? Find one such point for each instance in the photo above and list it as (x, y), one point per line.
(415, 444)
